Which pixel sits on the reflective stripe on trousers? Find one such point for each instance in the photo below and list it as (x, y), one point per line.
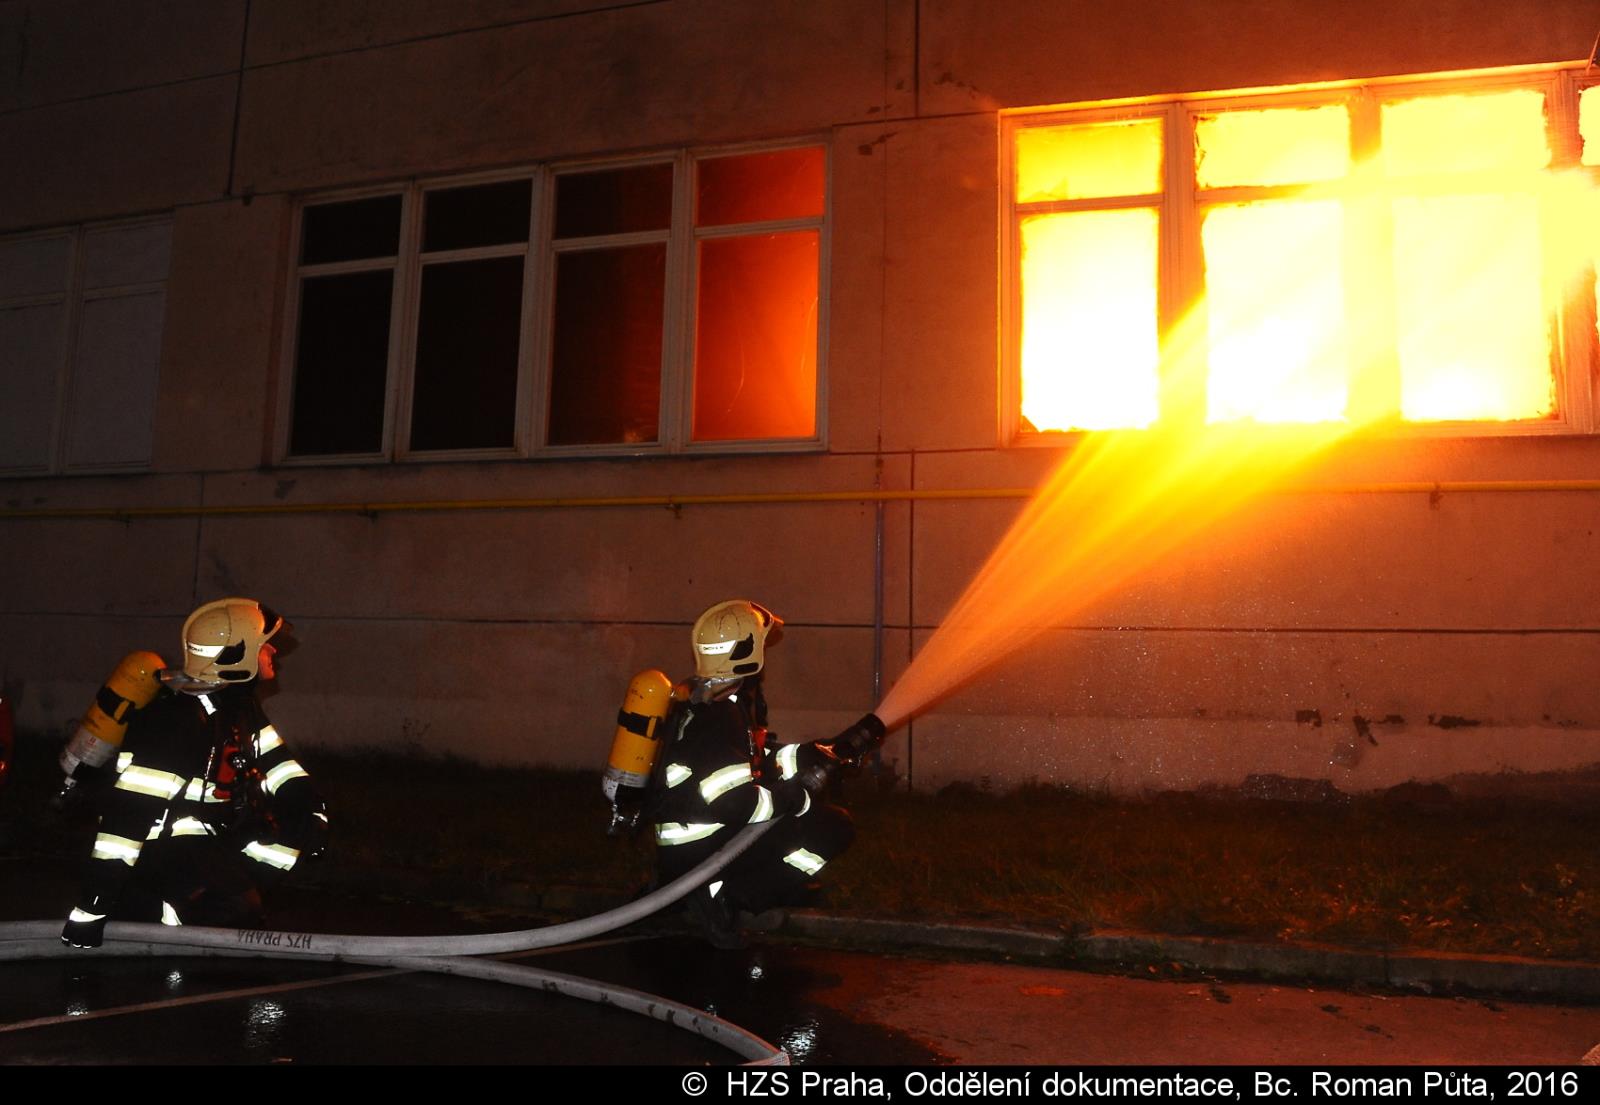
(108, 846)
(805, 860)
(280, 856)
(677, 832)
(281, 774)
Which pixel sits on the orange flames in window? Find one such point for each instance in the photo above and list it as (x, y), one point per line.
(1427, 283)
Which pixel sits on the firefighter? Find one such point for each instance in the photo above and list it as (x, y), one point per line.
(717, 773)
(208, 806)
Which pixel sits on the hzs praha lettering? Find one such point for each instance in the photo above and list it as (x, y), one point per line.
(961, 1084)
(275, 939)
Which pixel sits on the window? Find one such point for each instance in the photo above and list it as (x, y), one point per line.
(81, 313)
(662, 304)
(1420, 251)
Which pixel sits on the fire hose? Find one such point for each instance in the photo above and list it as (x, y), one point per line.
(23, 940)
(441, 954)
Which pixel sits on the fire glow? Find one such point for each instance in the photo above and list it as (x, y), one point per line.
(1311, 331)
(1428, 278)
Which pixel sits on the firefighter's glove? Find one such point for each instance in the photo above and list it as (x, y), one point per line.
(846, 750)
(859, 741)
(790, 797)
(824, 764)
(84, 929)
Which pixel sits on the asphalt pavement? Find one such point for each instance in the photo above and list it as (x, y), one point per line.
(829, 989)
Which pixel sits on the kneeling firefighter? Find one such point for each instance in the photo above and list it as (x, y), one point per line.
(715, 770)
(206, 805)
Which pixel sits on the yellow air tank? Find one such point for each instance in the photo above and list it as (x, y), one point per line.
(130, 688)
(636, 743)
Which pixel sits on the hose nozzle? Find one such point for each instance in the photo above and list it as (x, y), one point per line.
(842, 752)
(861, 739)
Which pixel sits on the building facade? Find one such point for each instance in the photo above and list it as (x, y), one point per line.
(492, 341)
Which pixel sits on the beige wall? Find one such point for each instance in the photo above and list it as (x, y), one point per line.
(510, 635)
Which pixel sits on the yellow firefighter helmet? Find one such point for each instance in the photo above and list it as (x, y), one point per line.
(730, 639)
(222, 640)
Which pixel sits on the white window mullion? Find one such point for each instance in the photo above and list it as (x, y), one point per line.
(403, 314)
(612, 241)
(776, 226)
(541, 278)
(472, 253)
(529, 325)
(1369, 271)
(1575, 382)
(1010, 421)
(677, 339)
(1181, 283)
(824, 299)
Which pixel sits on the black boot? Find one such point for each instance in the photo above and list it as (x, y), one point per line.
(715, 918)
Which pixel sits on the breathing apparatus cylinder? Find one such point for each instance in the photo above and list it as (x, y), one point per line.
(130, 688)
(635, 746)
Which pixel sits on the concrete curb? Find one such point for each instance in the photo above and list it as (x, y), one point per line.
(1426, 972)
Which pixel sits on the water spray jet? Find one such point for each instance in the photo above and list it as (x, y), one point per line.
(1277, 342)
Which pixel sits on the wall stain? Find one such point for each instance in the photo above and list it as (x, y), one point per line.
(1364, 729)
(865, 149)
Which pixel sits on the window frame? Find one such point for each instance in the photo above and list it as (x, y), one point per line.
(536, 325)
(73, 297)
(1181, 207)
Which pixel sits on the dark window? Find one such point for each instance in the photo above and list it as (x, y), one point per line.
(468, 330)
(420, 303)
(355, 230)
(341, 363)
(614, 201)
(605, 367)
(481, 215)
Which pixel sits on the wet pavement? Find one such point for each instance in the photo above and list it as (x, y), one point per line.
(261, 1012)
(823, 1005)
(98, 1009)
(174, 1011)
